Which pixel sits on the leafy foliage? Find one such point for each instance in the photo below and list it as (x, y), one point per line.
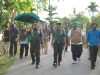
(20, 6)
(97, 20)
(51, 12)
(92, 8)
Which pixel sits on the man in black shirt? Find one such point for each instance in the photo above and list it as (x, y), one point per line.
(13, 38)
(6, 40)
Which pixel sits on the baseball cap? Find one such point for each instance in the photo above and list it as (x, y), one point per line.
(93, 24)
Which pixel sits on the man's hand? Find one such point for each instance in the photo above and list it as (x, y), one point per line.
(99, 46)
(68, 43)
(66, 47)
(86, 46)
(52, 44)
(16, 39)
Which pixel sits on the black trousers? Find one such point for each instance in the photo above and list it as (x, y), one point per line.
(76, 51)
(22, 48)
(66, 47)
(93, 54)
(35, 52)
(58, 48)
(13, 48)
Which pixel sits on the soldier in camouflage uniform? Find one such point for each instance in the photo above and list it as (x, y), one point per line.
(58, 42)
(66, 35)
(35, 44)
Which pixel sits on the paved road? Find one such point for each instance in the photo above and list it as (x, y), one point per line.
(24, 67)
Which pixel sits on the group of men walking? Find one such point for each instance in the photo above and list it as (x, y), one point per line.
(34, 39)
(10, 36)
(61, 39)
(75, 38)
(65, 38)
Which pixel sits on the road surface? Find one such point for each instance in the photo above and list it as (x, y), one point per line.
(24, 67)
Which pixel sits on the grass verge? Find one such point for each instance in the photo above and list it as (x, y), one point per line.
(5, 63)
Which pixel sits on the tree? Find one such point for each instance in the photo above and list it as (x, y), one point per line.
(79, 18)
(92, 8)
(40, 5)
(1, 4)
(51, 12)
(13, 7)
(65, 20)
(97, 20)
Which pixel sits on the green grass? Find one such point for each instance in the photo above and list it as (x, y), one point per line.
(5, 63)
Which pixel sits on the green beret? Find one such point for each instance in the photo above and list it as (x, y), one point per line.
(74, 24)
(58, 23)
(35, 21)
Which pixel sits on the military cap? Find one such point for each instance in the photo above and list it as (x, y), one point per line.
(74, 24)
(58, 23)
(93, 24)
(35, 22)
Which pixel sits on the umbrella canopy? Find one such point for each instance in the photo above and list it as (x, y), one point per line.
(27, 17)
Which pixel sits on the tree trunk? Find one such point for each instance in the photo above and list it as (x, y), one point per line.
(1, 13)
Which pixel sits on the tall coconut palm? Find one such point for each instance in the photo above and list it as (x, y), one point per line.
(51, 12)
(92, 8)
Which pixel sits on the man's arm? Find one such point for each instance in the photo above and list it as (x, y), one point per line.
(69, 37)
(83, 37)
(52, 40)
(17, 31)
(87, 37)
(99, 39)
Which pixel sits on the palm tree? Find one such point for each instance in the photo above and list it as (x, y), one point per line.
(51, 12)
(92, 8)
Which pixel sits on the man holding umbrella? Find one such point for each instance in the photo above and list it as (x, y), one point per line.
(35, 44)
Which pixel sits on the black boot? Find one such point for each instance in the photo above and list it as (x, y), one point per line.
(55, 64)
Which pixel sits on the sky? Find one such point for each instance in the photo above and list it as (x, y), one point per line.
(65, 7)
